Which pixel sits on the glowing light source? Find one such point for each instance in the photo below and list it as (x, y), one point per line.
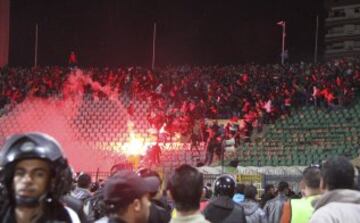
(137, 144)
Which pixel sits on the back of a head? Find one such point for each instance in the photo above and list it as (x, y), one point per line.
(250, 192)
(283, 186)
(268, 188)
(311, 177)
(145, 172)
(186, 185)
(337, 173)
(225, 186)
(84, 180)
(240, 188)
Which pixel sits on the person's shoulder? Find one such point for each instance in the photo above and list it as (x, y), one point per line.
(332, 210)
(238, 207)
(271, 201)
(73, 216)
(159, 214)
(72, 202)
(157, 207)
(102, 220)
(323, 214)
(197, 218)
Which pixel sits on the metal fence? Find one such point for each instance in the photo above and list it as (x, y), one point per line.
(259, 181)
(291, 179)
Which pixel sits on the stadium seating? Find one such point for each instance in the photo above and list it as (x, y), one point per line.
(309, 135)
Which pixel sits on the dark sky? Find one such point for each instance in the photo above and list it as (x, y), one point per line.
(119, 32)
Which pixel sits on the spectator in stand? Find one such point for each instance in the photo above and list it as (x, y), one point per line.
(222, 209)
(155, 152)
(339, 202)
(185, 188)
(186, 96)
(126, 197)
(253, 212)
(35, 175)
(300, 210)
(72, 61)
(213, 144)
(273, 208)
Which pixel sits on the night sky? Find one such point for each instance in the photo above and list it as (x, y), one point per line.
(196, 32)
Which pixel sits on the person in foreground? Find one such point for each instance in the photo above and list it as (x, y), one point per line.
(300, 210)
(273, 208)
(158, 208)
(34, 175)
(185, 188)
(252, 209)
(340, 202)
(222, 208)
(126, 197)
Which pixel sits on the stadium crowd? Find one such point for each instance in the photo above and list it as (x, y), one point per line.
(179, 96)
(38, 185)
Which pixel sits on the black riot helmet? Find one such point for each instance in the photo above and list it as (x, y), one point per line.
(36, 146)
(224, 186)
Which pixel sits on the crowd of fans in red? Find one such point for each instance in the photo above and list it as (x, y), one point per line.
(179, 95)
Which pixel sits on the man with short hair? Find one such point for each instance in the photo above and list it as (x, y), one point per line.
(300, 210)
(126, 197)
(34, 176)
(340, 202)
(185, 188)
(82, 190)
(269, 193)
(273, 208)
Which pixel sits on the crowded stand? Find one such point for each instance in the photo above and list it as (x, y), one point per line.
(180, 111)
(181, 96)
(39, 185)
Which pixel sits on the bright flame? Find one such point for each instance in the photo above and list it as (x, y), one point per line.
(136, 145)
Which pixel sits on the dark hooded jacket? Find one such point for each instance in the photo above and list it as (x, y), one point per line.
(223, 209)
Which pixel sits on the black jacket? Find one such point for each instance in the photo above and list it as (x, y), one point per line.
(76, 205)
(54, 212)
(223, 209)
(158, 214)
(163, 203)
